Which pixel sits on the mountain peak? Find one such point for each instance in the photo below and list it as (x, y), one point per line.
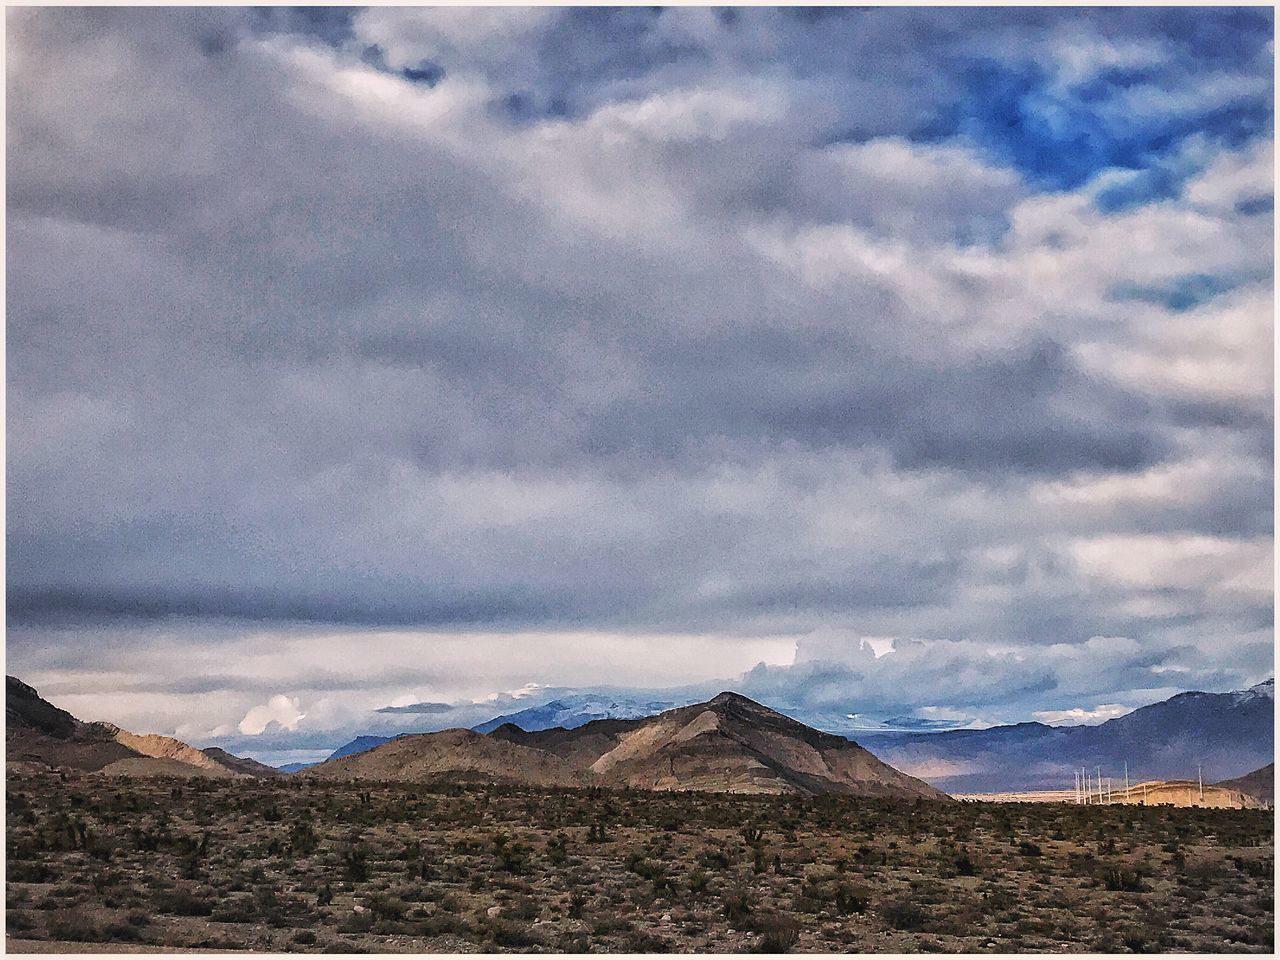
(727, 697)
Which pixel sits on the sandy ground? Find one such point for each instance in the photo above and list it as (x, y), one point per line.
(1178, 793)
(15, 945)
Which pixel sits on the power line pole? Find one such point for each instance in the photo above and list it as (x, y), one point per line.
(1200, 777)
(1126, 781)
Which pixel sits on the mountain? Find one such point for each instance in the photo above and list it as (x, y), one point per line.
(729, 744)
(1260, 783)
(1224, 733)
(41, 736)
(450, 755)
(575, 710)
(295, 767)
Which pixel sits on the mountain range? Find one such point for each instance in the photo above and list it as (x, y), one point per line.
(728, 744)
(1223, 734)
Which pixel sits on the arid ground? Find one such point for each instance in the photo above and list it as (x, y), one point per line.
(294, 865)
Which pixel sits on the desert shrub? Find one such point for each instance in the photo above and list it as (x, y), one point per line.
(29, 871)
(965, 867)
(849, 900)
(18, 921)
(119, 932)
(512, 855)
(304, 937)
(355, 862)
(387, 908)
(235, 909)
(440, 924)
(604, 924)
(738, 904)
(714, 859)
(361, 922)
(302, 838)
(505, 933)
(183, 902)
(903, 914)
(557, 849)
(1029, 849)
(73, 925)
(522, 908)
(1122, 879)
(1144, 939)
(778, 932)
(642, 941)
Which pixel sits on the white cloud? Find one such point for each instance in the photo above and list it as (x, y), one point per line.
(1079, 715)
(280, 709)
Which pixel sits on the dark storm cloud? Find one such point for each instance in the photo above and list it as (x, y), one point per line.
(675, 320)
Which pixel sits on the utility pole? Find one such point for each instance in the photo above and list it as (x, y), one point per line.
(1099, 784)
(1126, 780)
(1200, 777)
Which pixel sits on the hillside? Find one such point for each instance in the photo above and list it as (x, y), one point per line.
(1226, 733)
(450, 755)
(729, 745)
(41, 735)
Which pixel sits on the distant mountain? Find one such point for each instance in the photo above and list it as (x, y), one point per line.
(1260, 783)
(39, 735)
(578, 709)
(241, 764)
(1225, 733)
(295, 767)
(729, 744)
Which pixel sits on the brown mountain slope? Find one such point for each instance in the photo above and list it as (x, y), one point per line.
(452, 755)
(167, 748)
(1259, 784)
(729, 745)
(25, 709)
(39, 734)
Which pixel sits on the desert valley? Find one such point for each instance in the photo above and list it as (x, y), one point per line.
(721, 827)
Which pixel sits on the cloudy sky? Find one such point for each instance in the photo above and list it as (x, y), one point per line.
(891, 361)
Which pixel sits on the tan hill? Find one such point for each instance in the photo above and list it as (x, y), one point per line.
(167, 748)
(1260, 784)
(728, 745)
(40, 735)
(165, 767)
(451, 755)
(1150, 793)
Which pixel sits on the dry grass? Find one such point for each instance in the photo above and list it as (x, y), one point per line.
(297, 866)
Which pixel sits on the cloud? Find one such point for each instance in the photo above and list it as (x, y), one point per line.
(631, 324)
(279, 711)
(1078, 715)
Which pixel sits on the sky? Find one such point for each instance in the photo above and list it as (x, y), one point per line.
(898, 362)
